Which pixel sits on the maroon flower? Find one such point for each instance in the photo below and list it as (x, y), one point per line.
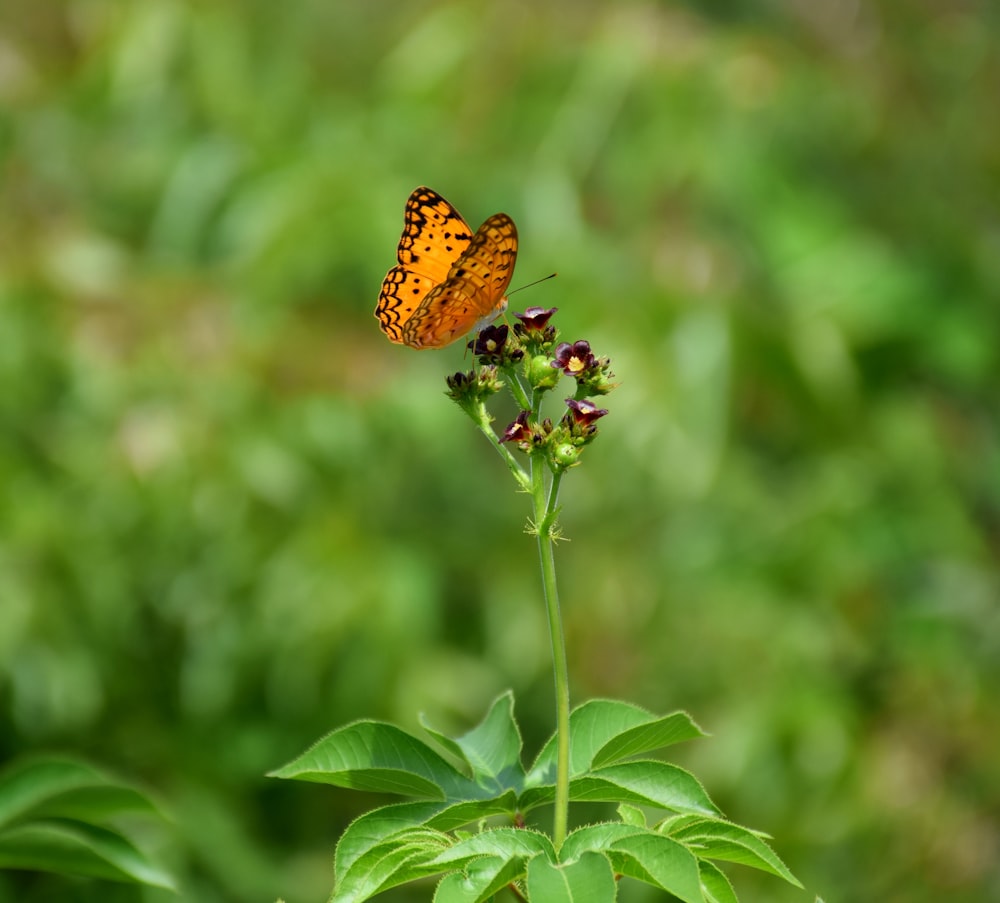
(584, 413)
(575, 359)
(519, 431)
(490, 342)
(535, 319)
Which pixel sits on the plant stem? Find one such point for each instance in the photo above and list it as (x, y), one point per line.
(516, 389)
(516, 470)
(545, 515)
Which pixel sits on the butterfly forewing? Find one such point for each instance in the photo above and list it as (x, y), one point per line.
(434, 236)
(448, 281)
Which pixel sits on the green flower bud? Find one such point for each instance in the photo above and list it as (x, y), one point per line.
(565, 455)
(541, 374)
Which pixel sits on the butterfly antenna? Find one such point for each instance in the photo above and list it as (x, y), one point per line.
(543, 279)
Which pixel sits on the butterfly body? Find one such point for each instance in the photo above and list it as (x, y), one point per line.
(448, 280)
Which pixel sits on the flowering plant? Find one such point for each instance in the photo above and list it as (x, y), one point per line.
(469, 821)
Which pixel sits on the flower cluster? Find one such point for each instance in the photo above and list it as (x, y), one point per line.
(470, 390)
(531, 361)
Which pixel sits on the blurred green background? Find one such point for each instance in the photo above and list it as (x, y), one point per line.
(233, 516)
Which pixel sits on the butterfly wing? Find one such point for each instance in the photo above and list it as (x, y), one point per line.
(472, 294)
(434, 237)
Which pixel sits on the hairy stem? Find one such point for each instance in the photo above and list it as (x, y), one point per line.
(516, 389)
(545, 515)
(523, 480)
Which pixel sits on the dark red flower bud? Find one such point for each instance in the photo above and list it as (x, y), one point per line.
(520, 432)
(584, 413)
(535, 319)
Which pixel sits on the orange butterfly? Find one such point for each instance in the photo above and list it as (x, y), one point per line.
(448, 281)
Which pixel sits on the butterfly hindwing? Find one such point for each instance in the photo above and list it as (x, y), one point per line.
(472, 295)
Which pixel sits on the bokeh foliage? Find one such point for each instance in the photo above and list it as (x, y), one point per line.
(233, 516)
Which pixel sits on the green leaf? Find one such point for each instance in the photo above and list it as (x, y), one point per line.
(462, 813)
(636, 851)
(403, 858)
(588, 879)
(596, 838)
(603, 731)
(374, 827)
(492, 749)
(669, 866)
(632, 815)
(715, 885)
(716, 839)
(673, 823)
(650, 783)
(491, 859)
(378, 825)
(74, 848)
(482, 879)
(29, 784)
(56, 788)
(644, 738)
(505, 843)
(51, 815)
(591, 725)
(379, 757)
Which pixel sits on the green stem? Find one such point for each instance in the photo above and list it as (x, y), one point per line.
(516, 389)
(545, 515)
(523, 480)
(551, 508)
